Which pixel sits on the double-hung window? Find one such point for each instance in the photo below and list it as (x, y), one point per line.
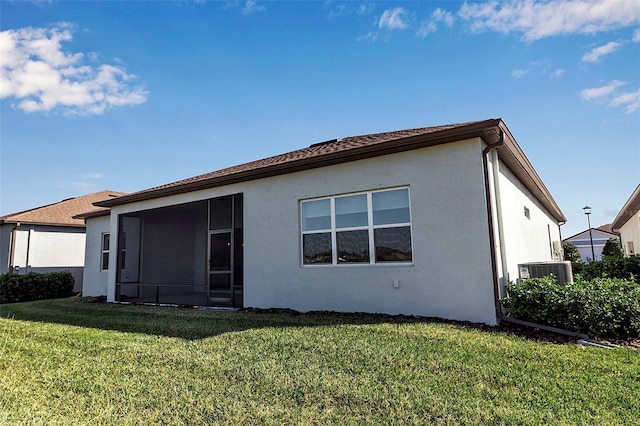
(104, 254)
(363, 228)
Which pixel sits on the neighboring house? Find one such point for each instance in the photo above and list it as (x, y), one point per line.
(48, 238)
(430, 221)
(627, 222)
(600, 237)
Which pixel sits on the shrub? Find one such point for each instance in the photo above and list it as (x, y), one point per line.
(612, 267)
(571, 252)
(602, 307)
(33, 286)
(612, 248)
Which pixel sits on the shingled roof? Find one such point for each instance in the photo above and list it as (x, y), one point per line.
(61, 213)
(354, 148)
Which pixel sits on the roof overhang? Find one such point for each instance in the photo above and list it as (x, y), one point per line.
(32, 223)
(630, 208)
(93, 213)
(510, 153)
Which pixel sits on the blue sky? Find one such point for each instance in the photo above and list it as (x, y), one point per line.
(129, 95)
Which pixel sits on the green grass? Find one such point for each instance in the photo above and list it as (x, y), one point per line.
(69, 361)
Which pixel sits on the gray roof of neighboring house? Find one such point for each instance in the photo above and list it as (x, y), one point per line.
(62, 213)
(354, 148)
(631, 207)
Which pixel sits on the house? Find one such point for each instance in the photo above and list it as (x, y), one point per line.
(48, 238)
(599, 236)
(627, 222)
(430, 221)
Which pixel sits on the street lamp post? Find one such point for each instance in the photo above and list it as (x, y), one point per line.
(587, 211)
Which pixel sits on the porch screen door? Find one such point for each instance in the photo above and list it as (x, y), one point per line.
(220, 268)
(226, 251)
(129, 247)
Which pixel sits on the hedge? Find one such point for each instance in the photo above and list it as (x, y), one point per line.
(610, 267)
(33, 286)
(602, 307)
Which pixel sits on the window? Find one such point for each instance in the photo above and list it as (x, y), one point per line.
(363, 228)
(630, 248)
(104, 255)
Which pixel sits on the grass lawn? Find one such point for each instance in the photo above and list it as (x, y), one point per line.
(70, 361)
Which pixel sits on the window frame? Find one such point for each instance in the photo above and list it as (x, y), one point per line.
(370, 227)
(104, 251)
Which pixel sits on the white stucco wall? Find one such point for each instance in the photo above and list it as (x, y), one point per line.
(526, 239)
(54, 248)
(451, 273)
(43, 249)
(95, 281)
(630, 231)
(47, 246)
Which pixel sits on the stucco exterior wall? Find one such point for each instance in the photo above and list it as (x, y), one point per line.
(44, 249)
(630, 232)
(95, 280)
(526, 239)
(451, 273)
(53, 247)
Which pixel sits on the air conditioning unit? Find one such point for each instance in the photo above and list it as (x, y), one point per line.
(561, 270)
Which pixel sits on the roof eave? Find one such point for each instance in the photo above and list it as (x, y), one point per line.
(513, 156)
(93, 214)
(404, 144)
(631, 207)
(35, 223)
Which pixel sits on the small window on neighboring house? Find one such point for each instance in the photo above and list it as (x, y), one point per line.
(527, 214)
(630, 248)
(104, 255)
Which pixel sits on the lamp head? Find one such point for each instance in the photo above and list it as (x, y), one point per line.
(587, 210)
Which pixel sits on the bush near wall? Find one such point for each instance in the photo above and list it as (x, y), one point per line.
(602, 307)
(33, 286)
(611, 267)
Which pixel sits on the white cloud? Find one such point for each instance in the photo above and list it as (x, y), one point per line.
(231, 4)
(342, 10)
(520, 73)
(40, 76)
(601, 92)
(636, 36)
(77, 185)
(365, 9)
(252, 7)
(540, 19)
(431, 25)
(96, 175)
(611, 93)
(393, 19)
(595, 54)
(631, 100)
(557, 73)
(371, 36)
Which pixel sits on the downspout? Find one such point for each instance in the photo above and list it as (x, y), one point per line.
(494, 263)
(26, 263)
(496, 190)
(492, 237)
